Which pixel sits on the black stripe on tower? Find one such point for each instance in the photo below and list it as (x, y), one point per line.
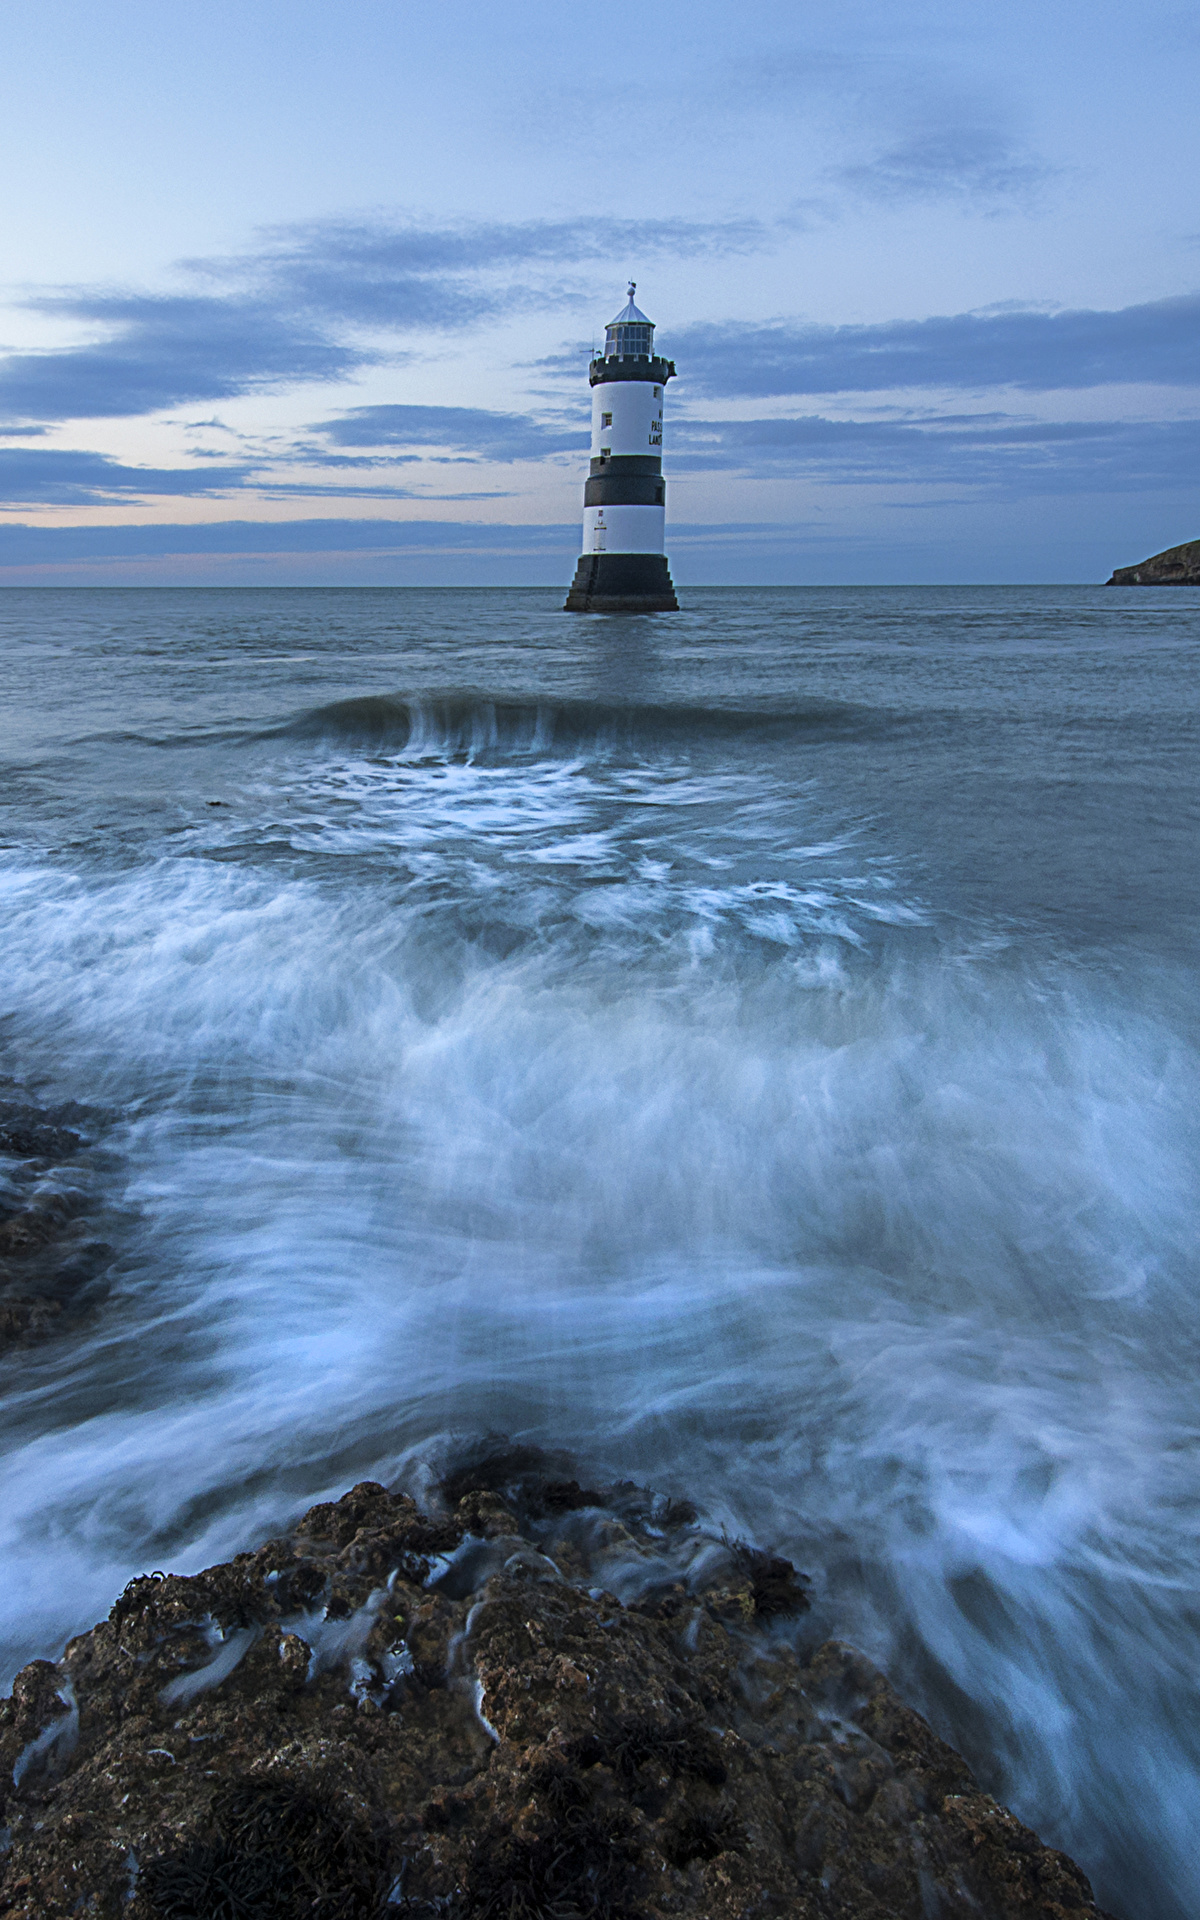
(631, 366)
(622, 583)
(625, 463)
(625, 480)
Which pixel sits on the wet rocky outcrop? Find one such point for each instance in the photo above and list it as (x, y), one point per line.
(52, 1255)
(529, 1698)
(1176, 567)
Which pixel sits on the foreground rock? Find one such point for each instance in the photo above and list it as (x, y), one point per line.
(1177, 567)
(392, 1712)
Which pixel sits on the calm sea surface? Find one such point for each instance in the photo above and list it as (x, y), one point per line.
(757, 1048)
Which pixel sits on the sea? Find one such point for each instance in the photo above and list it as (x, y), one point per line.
(755, 1049)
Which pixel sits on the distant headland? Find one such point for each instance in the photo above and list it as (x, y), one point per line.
(1177, 567)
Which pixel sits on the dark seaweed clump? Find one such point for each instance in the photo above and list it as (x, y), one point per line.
(702, 1836)
(684, 1748)
(275, 1850)
(585, 1866)
(534, 1482)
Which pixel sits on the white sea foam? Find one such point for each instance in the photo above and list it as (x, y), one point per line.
(231, 1650)
(57, 1741)
(339, 1641)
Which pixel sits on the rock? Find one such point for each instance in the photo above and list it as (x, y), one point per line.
(26, 1319)
(52, 1261)
(26, 1133)
(1177, 567)
(390, 1711)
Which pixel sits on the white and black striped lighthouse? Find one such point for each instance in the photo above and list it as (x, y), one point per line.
(623, 568)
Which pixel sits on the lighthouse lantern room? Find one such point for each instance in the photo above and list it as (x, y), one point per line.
(623, 567)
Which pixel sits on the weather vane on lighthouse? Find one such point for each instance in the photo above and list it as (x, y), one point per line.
(623, 567)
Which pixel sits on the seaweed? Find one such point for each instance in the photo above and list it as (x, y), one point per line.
(541, 1485)
(698, 1835)
(586, 1866)
(567, 1496)
(684, 1748)
(528, 1475)
(558, 1787)
(674, 1514)
(136, 1596)
(275, 1850)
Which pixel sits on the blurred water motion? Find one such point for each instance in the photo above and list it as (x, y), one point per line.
(755, 1050)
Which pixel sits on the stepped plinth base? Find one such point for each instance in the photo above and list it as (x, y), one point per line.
(622, 583)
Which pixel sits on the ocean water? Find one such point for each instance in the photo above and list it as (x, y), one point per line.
(755, 1048)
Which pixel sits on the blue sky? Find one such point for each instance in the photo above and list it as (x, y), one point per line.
(306, 293)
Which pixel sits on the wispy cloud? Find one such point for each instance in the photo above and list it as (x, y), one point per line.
(991, 453)
(1156, 342)
(909, 126)
(963, 161)
(293, 310)
(163, 352)
(473, 432)
(387, 274)
(26, 545)
(56, 476)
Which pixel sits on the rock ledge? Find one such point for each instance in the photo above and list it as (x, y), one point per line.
(537, 1700)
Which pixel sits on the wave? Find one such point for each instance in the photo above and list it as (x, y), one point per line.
(471, 723)
(476, 723)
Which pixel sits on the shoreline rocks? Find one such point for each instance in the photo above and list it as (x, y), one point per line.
(530, 1699)
(1175, 567)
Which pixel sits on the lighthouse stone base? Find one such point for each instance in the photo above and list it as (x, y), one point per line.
(622, 583)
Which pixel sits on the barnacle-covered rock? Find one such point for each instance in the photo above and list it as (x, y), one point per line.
(538, 1700)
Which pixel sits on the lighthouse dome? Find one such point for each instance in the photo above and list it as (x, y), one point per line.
(630, 332)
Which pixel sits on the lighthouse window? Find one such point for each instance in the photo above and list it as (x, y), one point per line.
(606, 419)
(657, 391)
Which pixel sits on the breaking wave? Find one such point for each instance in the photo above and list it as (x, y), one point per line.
(479, 723)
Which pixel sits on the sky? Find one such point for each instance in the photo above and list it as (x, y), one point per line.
(305, 294)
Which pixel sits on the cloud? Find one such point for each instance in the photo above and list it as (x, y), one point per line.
(965, 161)
(403, 276)
(1156, 342)
(282, 315)
(322, 490)
(53, 476)
(163, 352)
(32, 546)
(991, 452)
(472, 431)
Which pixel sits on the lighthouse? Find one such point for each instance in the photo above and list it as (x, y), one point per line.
(623, 567)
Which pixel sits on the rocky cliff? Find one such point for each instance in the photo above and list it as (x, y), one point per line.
(527, 1699)
(1177, 567)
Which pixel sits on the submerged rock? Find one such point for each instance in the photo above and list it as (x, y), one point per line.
(52, 1261)
(1176, 567)
(540, 1700)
